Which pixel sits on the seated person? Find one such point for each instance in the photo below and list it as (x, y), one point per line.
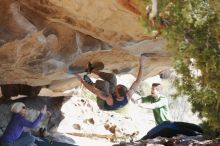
(14, 135)
(111, 96)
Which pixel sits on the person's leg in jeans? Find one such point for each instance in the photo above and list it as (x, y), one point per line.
(189, 126)
(156, 130)
(26, 139)
(6, 144)
(42, 141)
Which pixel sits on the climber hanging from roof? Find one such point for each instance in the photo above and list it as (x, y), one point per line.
(110, 95)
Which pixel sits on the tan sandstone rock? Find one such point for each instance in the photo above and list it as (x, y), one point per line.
(39, 40)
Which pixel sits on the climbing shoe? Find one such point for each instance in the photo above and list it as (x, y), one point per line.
(89, 68)
(95, 65)
(87, 79)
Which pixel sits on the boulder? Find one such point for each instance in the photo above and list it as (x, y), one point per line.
(43, 38)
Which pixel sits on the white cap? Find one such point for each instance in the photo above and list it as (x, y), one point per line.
(17, 107)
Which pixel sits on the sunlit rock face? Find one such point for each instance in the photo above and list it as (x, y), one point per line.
(39, 40)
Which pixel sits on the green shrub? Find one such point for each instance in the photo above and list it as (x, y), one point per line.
(193, 32)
